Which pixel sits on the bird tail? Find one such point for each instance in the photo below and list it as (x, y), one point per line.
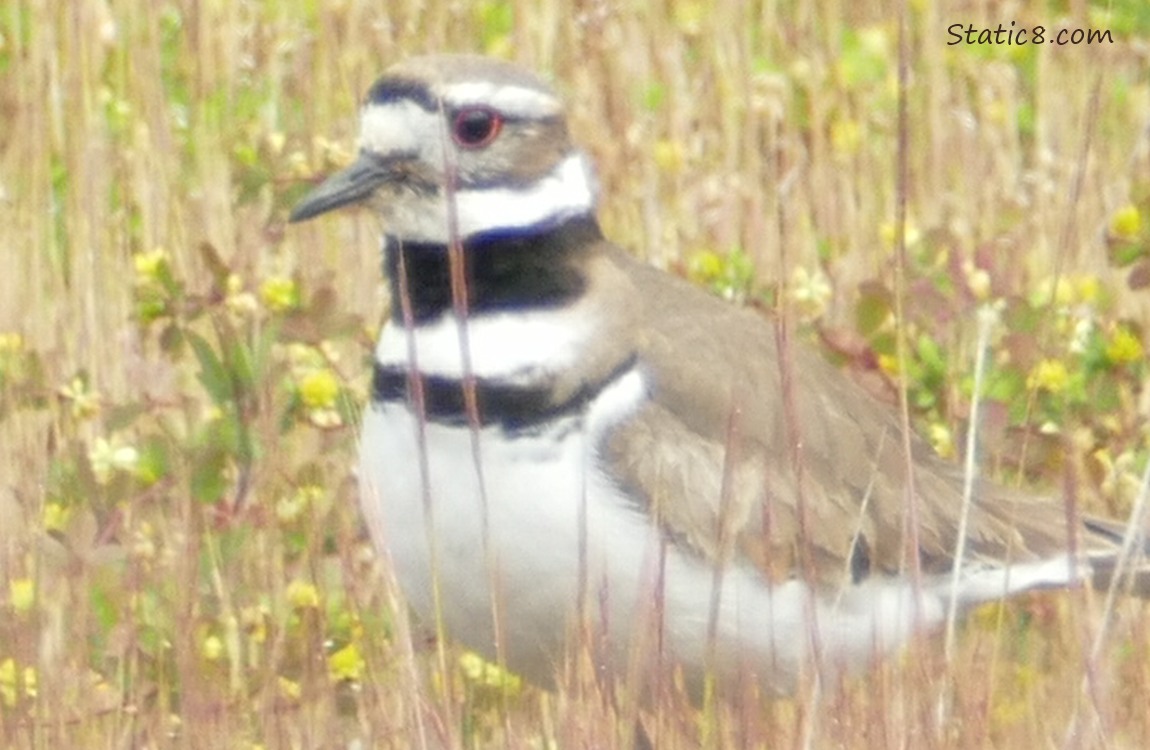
(1125, 567)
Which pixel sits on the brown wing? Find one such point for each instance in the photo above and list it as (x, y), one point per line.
(713, 457)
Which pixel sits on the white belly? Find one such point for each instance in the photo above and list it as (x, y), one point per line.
(547, 518)
(512, 538)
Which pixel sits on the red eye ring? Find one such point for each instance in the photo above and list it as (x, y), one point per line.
(476, 127)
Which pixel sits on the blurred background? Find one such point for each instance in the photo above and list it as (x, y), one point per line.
(182, 562)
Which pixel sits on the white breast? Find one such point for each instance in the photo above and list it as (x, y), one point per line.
(513, 347)
(515, 534)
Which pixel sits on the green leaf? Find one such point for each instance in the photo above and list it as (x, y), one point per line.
(208, 483)
(929, 351)
(1123, 254)
(104, 607)
(884, 343)
(153, 464)
(653, 96)
(213, 375)
(1004, 385)
(240, 366)
(873, 308)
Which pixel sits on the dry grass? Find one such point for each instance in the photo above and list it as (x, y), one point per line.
(181, 560)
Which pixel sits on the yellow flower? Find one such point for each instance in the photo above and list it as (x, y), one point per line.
(1126, 222)
(689, 17)
(212, 649)
(482, 672)
(85, 402)
(846, 136)
(302, 595)
(706, 266)
(1061, 290)
(304, 356)
(668, 155)
(298, 164)
(810, 291)
(9, 689)
(326, 419)
(56, 517)
(109, 456)
(346, 663)
(318, 389)
(22, 594)
(279, 294)
(8, 682)
(275, 142)
(334, 153)
(240, 303)
(977, 279)
(150, 265)
(1089, 288)
(289, 689)
(289, 509)
(942, 440)
(1048, 375)
(1124, 347)
(1081, 334)
(233, 284)
(912, 233)
(11, 343)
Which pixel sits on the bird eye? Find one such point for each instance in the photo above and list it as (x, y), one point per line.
(476, 127)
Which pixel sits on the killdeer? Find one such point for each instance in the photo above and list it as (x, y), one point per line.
(570, 427)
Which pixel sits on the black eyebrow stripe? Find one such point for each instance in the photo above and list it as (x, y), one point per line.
(388, 90)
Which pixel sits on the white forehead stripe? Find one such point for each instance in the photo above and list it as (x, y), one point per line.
(517, 101)
(399, 126)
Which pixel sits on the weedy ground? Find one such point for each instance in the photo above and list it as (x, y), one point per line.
(181, 559)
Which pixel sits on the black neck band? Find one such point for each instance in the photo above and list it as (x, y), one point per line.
(515, 408)
(505, 270)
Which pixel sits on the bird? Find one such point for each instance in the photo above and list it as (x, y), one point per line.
(561, 434)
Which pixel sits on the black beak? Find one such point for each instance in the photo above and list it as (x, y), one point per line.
(344, 188)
